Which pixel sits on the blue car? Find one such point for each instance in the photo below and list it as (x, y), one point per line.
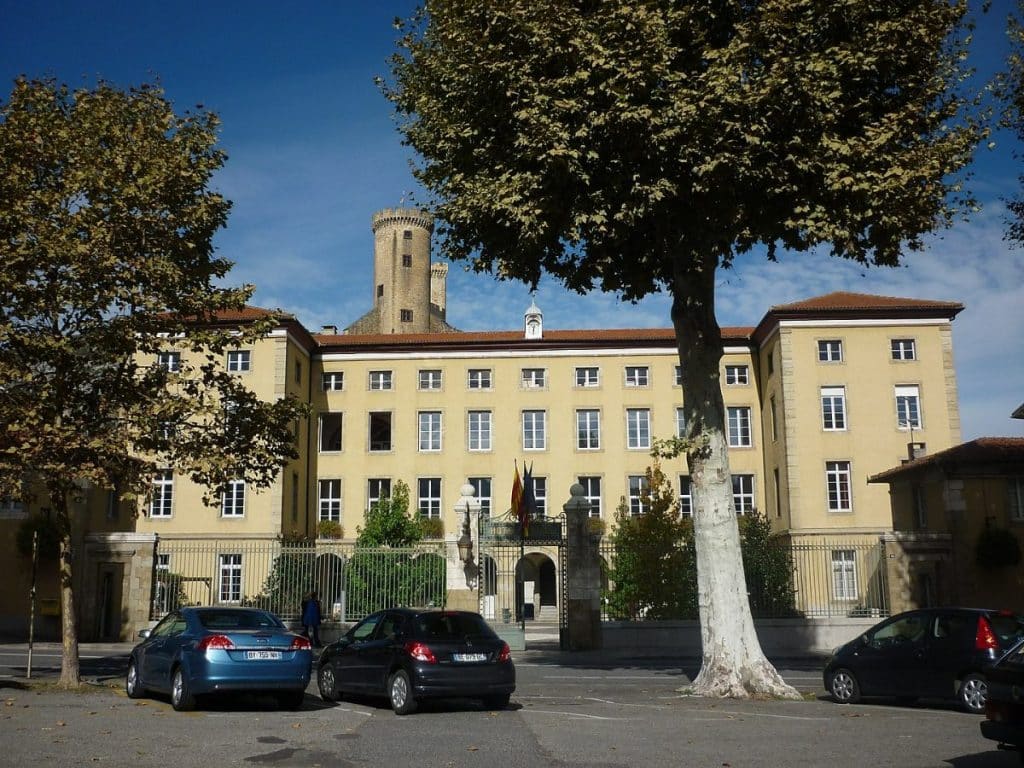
(205, 650)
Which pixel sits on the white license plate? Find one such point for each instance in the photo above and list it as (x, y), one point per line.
(271, 655)
(469, 657)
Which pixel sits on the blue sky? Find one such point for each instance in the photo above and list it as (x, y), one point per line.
(313, 152)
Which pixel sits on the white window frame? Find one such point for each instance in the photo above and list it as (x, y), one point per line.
(638, 376)
(638, 486)
(428, 496)
(430, 379)
(329, 499)
(479, 426)
(680, 421)
(903, 349)
(161, 500)
(638, 429)
(540, 494)
(743, 494)
(430, 431)
(377, 488)
(169, 361)
(230, 578)
(534, 423)
(483, 486)
(588, 429)
(592, 493)
(479, 378)
(232, 500)
(838, 487)
(534, 378)
(380, 381)
(739, 430)
(588, 376)
(844, 574)
(678, 375)
(830, 350)
(321, 433)
(332, 381)
(833, 409)
(239, 360)
(908, 406)
(685, 496)
(737, 375)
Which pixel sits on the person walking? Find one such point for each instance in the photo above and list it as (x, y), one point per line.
(311, 618)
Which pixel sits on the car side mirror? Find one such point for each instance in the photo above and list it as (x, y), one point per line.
(144, 633)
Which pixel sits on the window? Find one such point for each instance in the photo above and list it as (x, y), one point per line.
(638, 495)
(239, 360)
(232, 501)
(680, 422)
(592, 493)
(737, 375)
(638, 428)
(330, 500)
(908, 407)
(533, 378)
(920, 508)
(430, 379)
(844, 574)
(540, 495)
(482, 487)
(406, 259)
(837, 482)
(377, 488)
(114, 503)
(429, 502)
(587, 377)
(170, 361)
(833, 409)
(739, 427)
(830, 351)
(295, 496)
(162, 494)
(407, 234)
(230, 578)
(685, 496)
(588, 430)
(679, 375)
(380, 430)
(534, 430)
(380, 291)
(330, 432)
(903, 349)
(405, 315)
(1015, 502)
(298, 372)
(479, 378)
(332, 382)
(778, 492)
(773, 418)
(479, 430)
(430, 430)
(637, 376)
(380, 380)
(11, 508)
(743, 494)
(771, 361)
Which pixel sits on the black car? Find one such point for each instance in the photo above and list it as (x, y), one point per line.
(409, 655)
(930, 653)
(1004, 709)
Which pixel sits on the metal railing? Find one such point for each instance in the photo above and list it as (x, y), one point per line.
(351, 582)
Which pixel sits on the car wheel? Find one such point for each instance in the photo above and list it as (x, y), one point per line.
(327, 682)
(181, 696)
(844, 687)
(496, 702)
(973, 692)
(133, 683)
(400, 693)
(291, 699)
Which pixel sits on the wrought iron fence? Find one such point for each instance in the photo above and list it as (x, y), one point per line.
(351, 582)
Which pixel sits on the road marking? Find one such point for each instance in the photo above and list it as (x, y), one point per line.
(578, 715)
(735, 715)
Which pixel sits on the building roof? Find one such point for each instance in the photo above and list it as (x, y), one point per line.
(990, 456)
(1018, 413)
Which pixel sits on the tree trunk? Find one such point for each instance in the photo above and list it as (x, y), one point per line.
(732, 662)
(70, 674)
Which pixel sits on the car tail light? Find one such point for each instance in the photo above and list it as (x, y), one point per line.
(420, 652)
(301, 643)
(505, 654)
(985, 639)
(215, 642)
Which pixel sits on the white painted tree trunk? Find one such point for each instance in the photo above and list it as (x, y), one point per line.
(732, 662)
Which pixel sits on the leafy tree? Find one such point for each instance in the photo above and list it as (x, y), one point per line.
(106, 227)
(388, 522)
(653, 575)
(1012, 91)
(768, 567)
(636, 147)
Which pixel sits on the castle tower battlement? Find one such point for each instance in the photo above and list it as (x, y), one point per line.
(401, 269)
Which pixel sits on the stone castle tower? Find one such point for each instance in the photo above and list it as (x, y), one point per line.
(409, 293)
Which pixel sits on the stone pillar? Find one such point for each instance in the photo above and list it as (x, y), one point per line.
(463, 577)
(583, 576)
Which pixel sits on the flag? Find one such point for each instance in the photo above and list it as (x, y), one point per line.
(528, 505)
(517, 497)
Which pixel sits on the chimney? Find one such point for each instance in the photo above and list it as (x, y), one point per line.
(915, 450)
(329, 330)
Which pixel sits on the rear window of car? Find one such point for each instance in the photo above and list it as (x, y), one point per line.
(1008, 627)
(238, 620)
(452, 625)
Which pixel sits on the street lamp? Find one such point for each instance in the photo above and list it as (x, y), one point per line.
(465, 542)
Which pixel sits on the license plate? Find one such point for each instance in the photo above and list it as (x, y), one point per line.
(271, 655)
(469, 657)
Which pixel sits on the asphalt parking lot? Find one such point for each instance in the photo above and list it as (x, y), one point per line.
(567, 711)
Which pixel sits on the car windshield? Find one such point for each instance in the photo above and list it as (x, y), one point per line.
(452, 625)
(214, 619)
